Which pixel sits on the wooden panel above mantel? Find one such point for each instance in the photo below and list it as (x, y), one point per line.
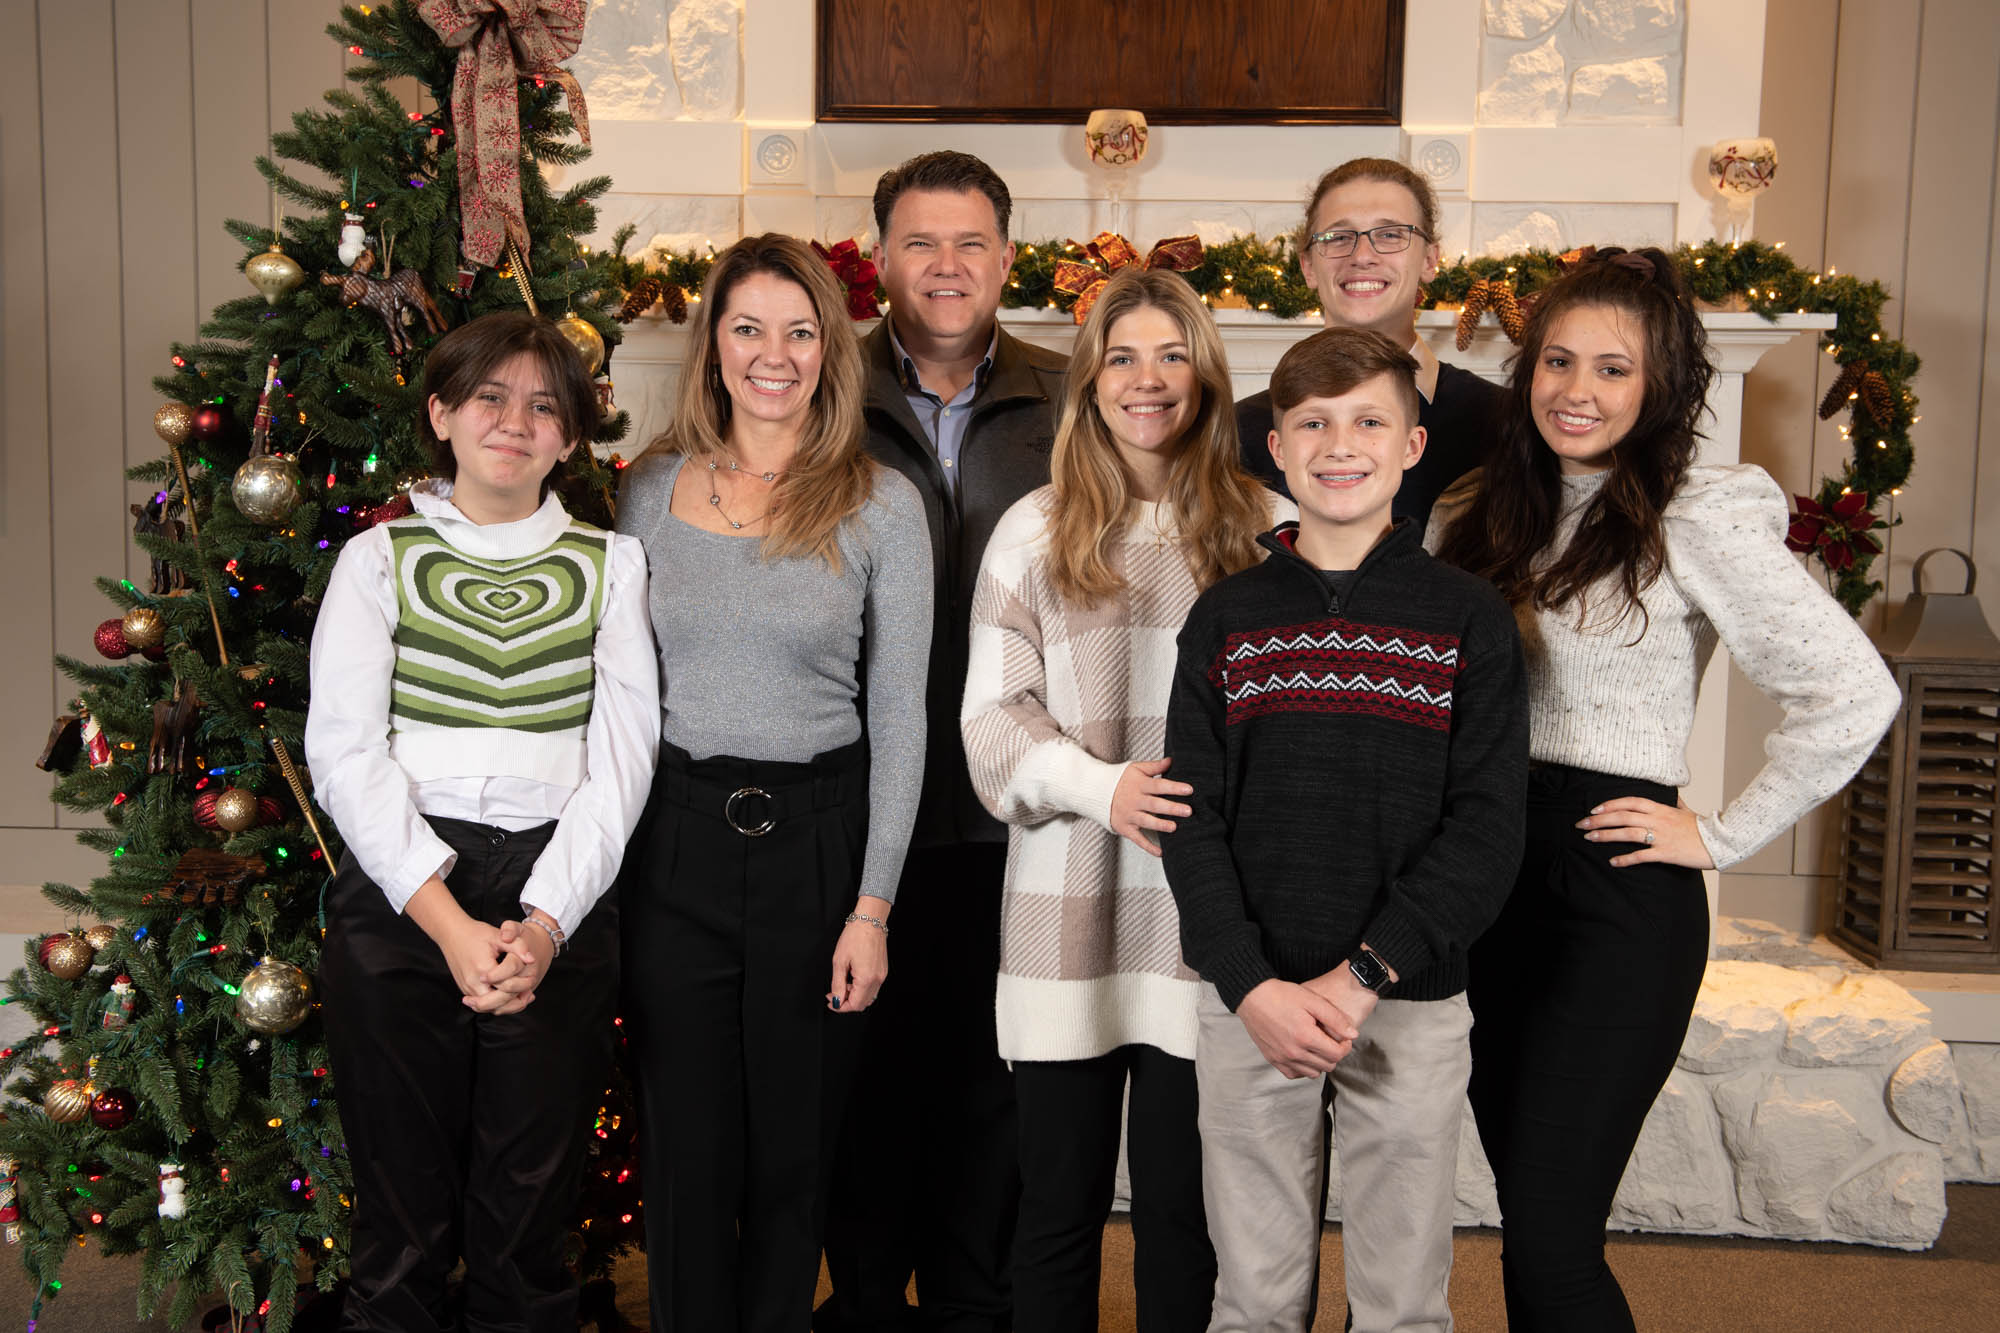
(1182, 62)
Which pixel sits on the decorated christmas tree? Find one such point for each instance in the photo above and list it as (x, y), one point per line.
(180, 1106)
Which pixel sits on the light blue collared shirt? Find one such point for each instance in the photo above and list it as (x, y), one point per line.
(944, 423)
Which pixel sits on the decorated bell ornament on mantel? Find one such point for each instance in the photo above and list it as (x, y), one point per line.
(1918, 876)
(1115, 140)
(1739, 170)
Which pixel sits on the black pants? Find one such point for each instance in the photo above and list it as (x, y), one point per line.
(743, 1070)
(1070, 1112)
(466, 1131)
(1582, 991)
(929, 1167)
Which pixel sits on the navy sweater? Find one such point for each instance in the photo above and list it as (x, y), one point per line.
(1359, 765)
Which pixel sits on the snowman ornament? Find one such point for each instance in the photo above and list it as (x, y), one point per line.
(173, 1191)
(353, 238)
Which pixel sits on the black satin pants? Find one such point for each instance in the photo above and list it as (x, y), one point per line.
(729, 939)
(465, 1131)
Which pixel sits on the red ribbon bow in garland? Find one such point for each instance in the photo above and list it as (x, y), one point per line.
(501, 42)
(1836, 533)
(848, 264)
(1110, 252)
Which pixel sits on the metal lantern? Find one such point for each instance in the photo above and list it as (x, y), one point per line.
(1917, 876)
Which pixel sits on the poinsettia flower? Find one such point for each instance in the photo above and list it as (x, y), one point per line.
(856, 273)
(1835, 534)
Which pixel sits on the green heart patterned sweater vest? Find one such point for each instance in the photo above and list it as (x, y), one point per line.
(494, 671)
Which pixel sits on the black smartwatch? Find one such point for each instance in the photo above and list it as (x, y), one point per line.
(1368, 969)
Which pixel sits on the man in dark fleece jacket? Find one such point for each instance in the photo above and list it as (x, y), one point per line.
(1351, 715)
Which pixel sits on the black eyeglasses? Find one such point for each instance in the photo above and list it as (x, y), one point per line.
(1387, 240)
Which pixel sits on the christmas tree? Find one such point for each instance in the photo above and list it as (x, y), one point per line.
(181, 1107)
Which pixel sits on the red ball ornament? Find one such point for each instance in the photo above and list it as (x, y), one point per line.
(204, 809)
(268, 810)
(113, 1108)
(208, 422)
(156, 653)
(110, 639)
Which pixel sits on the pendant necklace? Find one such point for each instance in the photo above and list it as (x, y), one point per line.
(715, 496)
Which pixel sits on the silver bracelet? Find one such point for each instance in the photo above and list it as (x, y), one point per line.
(874, 921)
(555, 934)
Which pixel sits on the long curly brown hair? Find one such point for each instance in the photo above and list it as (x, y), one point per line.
(1218, 507)
(1505, 532)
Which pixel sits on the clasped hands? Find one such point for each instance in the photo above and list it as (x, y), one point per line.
(1306, 1028)
(496, 968)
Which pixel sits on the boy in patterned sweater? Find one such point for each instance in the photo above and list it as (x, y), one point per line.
(1351, 715)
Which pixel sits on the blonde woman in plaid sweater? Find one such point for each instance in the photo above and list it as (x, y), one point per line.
(1080, 596)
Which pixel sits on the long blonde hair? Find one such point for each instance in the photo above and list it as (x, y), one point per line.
(831, 475)
(1218, 507)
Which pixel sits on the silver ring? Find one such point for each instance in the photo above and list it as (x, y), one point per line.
(729, 812)
(1649, 837)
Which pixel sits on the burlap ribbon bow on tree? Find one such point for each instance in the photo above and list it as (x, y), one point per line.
(501, 42)
(1111, 252)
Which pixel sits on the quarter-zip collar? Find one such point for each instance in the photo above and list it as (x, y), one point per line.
(1282, 541)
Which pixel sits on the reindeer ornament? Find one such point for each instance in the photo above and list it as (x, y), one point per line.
(396, 300)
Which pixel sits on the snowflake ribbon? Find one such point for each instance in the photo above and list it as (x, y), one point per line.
(501, 42)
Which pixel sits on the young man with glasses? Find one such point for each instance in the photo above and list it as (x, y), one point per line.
(1369, 245)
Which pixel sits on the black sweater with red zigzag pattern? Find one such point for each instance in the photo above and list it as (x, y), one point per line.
(1359, 763)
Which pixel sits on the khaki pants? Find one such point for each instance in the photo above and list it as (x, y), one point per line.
(1397, 1102)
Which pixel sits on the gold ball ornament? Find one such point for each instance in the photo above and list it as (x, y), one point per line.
(144, 628)
(275, 997)
(99, 936)
(266, 489)
(69, 957)
(587, 341)
(273, 273)
(236, 810)
(66, 1102)
(173, 423)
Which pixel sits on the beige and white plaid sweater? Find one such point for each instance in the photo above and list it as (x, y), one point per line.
(1058, 700)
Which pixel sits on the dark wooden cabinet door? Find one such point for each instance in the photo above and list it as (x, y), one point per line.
(1179, 61)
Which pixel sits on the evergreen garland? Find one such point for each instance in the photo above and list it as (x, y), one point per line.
(1255, 274)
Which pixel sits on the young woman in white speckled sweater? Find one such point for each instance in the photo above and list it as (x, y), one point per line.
(1625, 562)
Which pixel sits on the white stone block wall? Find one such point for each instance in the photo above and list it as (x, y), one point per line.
(1543, 122)
(1562, 62)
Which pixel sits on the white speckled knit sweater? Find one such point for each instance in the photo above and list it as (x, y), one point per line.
(1599, 701)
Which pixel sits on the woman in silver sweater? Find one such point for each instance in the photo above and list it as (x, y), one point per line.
(1625, 561)
(791, 603)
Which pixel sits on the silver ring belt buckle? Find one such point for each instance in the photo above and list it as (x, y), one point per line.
(729, 808)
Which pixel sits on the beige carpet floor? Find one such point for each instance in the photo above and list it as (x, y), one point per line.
(1676, 1284)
